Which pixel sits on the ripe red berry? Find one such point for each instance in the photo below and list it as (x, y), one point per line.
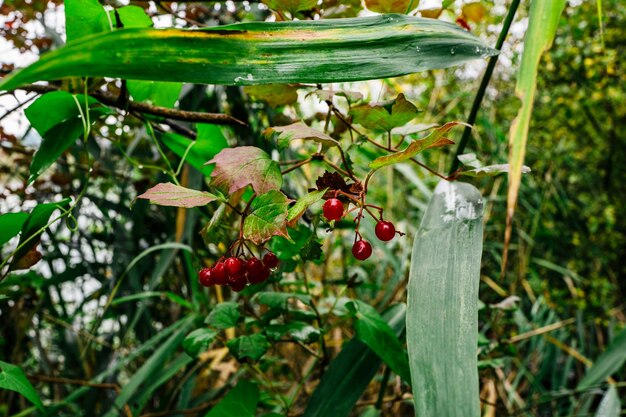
(362, 250)
(220, 274)
(333, 209)
(240, 278)
(270, 260)
(254, 266)
(259, 277)
(233, 266)
(238, 285)
(206, 277)
(385, 230)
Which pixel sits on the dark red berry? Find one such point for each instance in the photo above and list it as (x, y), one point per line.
(333, 209)
(206, 277)
(220, 274)
(237, 286)
(259, 277)
(270, 260)
(238, 278)
(362, 250)
(254, 266)
(385, 230)
(233, 266)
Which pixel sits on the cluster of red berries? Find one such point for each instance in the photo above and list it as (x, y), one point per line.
(237, 273)
(362, 249)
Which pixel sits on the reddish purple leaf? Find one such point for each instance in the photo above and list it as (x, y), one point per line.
(168, 194)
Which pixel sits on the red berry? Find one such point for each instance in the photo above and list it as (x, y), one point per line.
(270, 260)
(233, 266)
(333, 209)
(362, 250)
(254, 266)
(237, 286)
(240, 278)
(262, 276)
(385, 230)
(206, 277)
(220, 274)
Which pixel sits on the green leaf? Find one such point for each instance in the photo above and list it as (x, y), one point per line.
(286, 249)
(241, 401)
(542, 24)
(374, 331)
(158, 93)
(391, 6)
(168, 194)
(297, 131)
(133, 17)
(384, 117)
(350, 373)
(296, 330)
(327, 95)
(85, 17)
(198, 341)
(278, 300)
(291, 6)
(253, 347)
(336, 50)
(609, 362)
(10, 225)
(37, 220)
(12, 378)
(610, 406)
(273, 94)
(442, 316)
(491, 171)
(235, 168)
(224, 315)
(302, 204)
(267, 217)
(433, 140)
(209, 142)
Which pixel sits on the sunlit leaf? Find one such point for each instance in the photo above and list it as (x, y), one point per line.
(610, 406)
(241, 401)
(157, 93)
(209, 142)
(297, 131)
(85, 17)
(12, 378)
(296, 330)
(302, 204)
(10, 225)
(273, 94)
(168, 194)
(267, 217)
(291, 6)
(384, 117)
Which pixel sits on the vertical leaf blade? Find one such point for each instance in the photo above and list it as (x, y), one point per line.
(609, 362)
(442, 315)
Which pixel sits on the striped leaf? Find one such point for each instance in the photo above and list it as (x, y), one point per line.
(319, 51)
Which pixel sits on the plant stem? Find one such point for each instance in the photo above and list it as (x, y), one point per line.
(483, 86)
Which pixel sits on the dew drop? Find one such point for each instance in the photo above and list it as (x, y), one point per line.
(452, 51)
(140, 166)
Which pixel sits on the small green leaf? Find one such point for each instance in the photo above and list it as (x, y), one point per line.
(238, 167)
(491, 171)
(374, 331)
(286, 249)
(241, 401)
(168, 194)
(198, 341)
(85, 17)
(158, 93)
(224, 315)
(296, 330)
(278, 300)
(297, 131)
(610, 406)
(267, 217)
(391, 6)
(12, 378)
(273, 94)
(253, 347)
(10, 225)
(133, 17)
(303, 203)
(384, 117)
(291, 6)
(609, 362)
(433, 140)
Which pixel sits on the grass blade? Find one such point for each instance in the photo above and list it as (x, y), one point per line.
(442, 316)
(609, 362)
(610, 405)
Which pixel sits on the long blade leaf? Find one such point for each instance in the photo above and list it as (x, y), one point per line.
(316, 51)
(442, 312)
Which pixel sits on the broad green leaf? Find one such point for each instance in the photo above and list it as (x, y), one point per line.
(12, 378)
(610, 406)
(374, 331)
(297, 131)
(291, 6)
(287, 249)
(267, 217)
(133, 17)
(384, 117)
(158, 93)
(238, 167)
(442, 315)
(85, 17)
(198, 341)
(253, 347)
(241, 401)
(33, 225)
(296, 330)
(350, 373)
(278, 300)
(433, 140)
(224, 315)
(391, 6)
(168, 194)
(209, 142)
(297, 210)
(273, 94)
(609, 362)
(542, 24)
(10, 225)
(306, 51)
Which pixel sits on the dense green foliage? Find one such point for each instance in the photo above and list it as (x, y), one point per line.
(101, 313)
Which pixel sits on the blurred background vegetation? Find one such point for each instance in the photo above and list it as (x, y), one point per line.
(566, 264)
